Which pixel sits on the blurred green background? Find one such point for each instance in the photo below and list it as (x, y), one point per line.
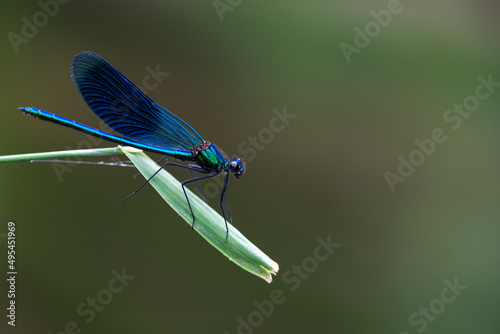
(322, 175)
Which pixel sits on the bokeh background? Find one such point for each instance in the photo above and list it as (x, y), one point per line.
(322, 176)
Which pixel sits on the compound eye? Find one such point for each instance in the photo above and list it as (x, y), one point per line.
(234, 164)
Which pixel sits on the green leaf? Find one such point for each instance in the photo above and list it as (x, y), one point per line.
(61, 154)
(209, 224)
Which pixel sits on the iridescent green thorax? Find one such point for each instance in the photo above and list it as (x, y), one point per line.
(209, 158)
(212, 160)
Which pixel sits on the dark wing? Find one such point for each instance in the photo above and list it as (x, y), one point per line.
(125, 108)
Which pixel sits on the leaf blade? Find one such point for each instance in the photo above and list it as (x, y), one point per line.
(209, 224)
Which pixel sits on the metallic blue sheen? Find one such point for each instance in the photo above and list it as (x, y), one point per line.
(47, 116)
(143, 123)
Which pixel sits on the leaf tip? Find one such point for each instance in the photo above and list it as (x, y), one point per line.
(268, 272)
